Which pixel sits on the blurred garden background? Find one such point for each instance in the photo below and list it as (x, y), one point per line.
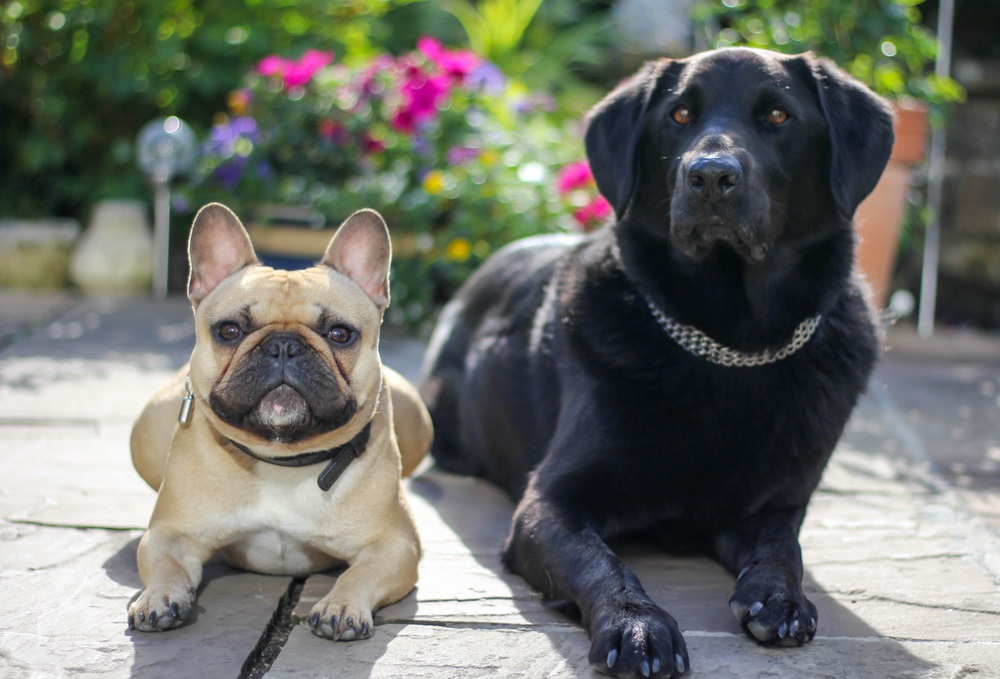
(459, 120)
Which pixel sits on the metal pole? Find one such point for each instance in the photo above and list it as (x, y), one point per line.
(161, 232)
(935, 178)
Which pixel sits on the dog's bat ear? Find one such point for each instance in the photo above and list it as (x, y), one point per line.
(859, 127)
(614, 127)
(218, 247)
(362, 251)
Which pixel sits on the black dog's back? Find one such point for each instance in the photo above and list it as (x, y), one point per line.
(494, 311)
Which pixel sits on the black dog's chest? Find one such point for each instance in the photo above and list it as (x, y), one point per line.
(694, 442)
(705, 451)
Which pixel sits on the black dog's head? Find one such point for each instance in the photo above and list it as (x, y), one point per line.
(738, 146)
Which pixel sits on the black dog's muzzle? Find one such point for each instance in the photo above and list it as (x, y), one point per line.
(714, 201)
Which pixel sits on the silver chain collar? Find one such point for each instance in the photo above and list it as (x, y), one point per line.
(698, 343)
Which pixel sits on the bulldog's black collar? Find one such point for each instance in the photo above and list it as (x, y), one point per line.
(339, 458)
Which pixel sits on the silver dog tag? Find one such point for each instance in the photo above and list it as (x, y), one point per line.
(184, 416)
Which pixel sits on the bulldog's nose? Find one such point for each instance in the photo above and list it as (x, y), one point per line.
(282, 345)
(715, 176)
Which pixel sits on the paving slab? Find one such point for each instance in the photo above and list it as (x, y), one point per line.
(22, 311)
(63, 600)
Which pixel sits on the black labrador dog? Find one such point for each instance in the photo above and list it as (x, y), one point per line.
(684, 373)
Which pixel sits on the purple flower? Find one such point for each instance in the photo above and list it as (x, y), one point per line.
(459, 154)
(486, 77)
(232, 141)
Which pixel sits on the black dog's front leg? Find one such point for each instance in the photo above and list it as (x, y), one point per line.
(555, 549)
(763, 552)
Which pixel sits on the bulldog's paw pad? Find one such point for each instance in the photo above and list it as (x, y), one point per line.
(639, 642)
(340, 622)
(158, 609)
(771, 612)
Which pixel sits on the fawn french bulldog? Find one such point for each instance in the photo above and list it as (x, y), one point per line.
(292, 437)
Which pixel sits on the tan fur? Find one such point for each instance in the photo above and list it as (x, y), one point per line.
(213, 498)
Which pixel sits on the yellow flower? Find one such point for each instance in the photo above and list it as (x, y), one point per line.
(488, 157)
(459, 249)
(239, 102)
(434, 182)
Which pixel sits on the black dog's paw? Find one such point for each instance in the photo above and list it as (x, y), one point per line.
(638, 641)
(770, 610)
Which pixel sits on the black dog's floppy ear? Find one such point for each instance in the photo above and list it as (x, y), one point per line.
(859, 125)
(614, 127)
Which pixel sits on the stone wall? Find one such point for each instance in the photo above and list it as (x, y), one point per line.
(970, 224)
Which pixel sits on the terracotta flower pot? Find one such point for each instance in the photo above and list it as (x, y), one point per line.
(879, 218)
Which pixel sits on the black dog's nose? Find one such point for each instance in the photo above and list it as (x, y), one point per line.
(715, 176)
(282, 345)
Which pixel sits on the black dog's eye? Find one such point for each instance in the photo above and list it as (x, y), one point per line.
(229, 332)
(681, 115)
(778, 116)
(340, 334)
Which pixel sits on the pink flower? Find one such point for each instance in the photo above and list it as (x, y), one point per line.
(593, 212)
(574, 176)
(302, 71)
(295, 73)
(456, 64)
(421, 97)
(273, 65)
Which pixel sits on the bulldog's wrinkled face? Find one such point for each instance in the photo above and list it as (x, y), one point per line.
(287, 356)
(281, 356)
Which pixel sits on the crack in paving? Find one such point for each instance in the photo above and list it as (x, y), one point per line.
(473, 625)
(73, 526)
(858, 595)
(274, 636)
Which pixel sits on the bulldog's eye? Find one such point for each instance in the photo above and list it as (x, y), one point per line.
(340, 334)
(681, 115)
(229, 332)
(778, 116)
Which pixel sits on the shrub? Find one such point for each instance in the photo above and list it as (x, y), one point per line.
(457, 157)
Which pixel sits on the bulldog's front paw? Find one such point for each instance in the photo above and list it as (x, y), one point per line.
(160, 608)
(638, 640)
(770, 610)
(335, 619)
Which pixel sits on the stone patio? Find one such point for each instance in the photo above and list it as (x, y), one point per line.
(902, 558)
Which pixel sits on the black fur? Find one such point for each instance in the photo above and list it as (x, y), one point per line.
(549, 375)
